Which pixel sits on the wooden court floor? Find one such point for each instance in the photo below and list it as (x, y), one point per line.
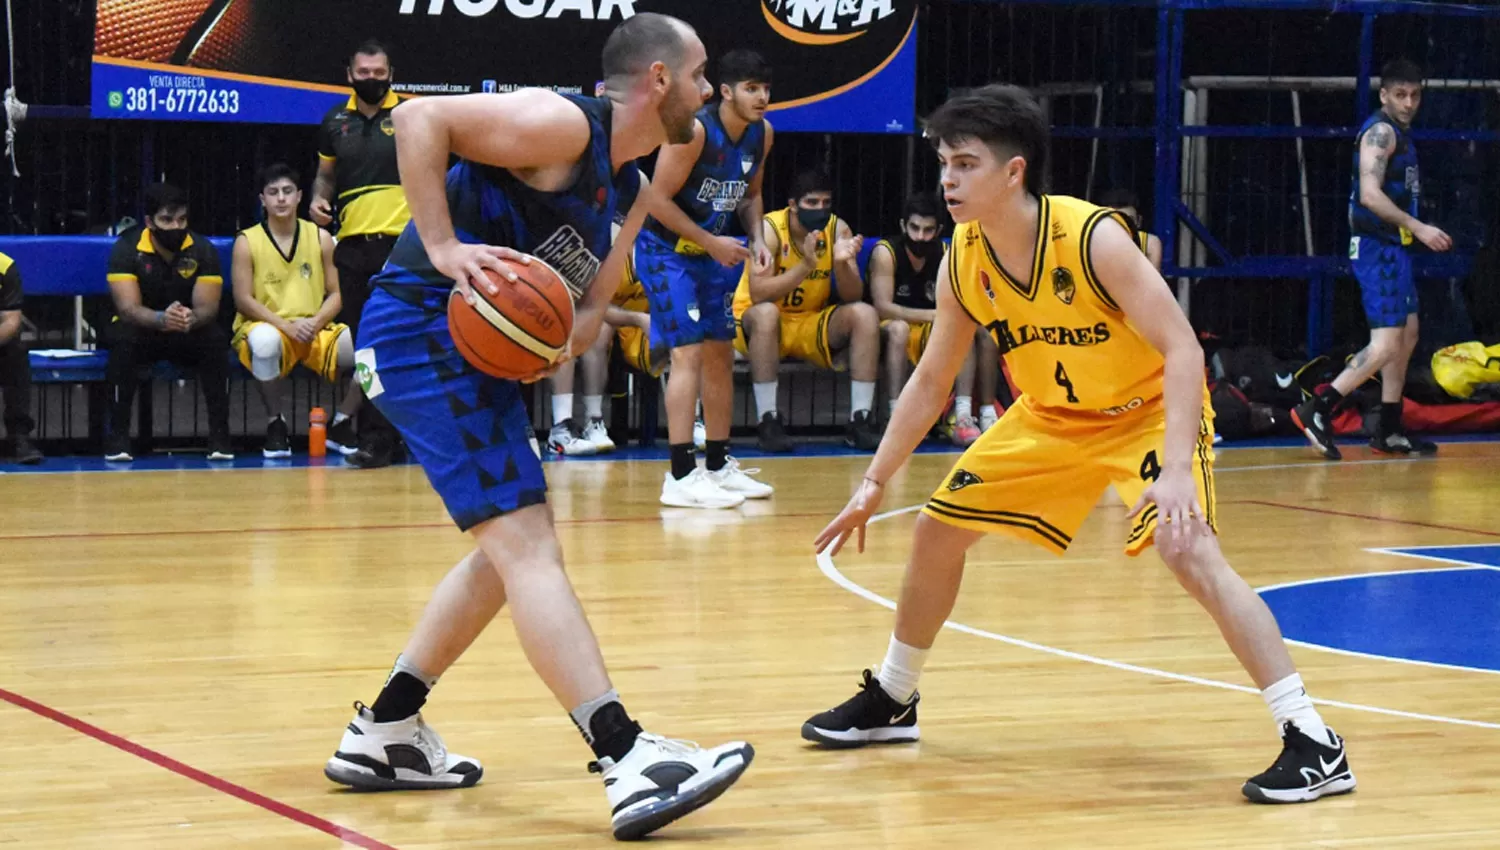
(179, 651)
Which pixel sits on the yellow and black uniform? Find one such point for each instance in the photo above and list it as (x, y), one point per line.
(635, 343)
(913, 288)
(806, 310)
(15, 362)
(162, 281)
(1091, 413)
(1143, 241)
(367, 183)
(293, 286)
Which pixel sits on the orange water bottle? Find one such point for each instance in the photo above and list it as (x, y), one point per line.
(317, 433)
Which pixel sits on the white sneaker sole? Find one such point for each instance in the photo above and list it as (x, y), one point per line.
(270, 454)
(674, 502)
(642, 820)
(380, 777)
(1341, 784)
(849, 738)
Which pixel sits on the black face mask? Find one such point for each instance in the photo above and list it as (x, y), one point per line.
(371, 91)
(814, 219)
(925, 249)
(169, 239)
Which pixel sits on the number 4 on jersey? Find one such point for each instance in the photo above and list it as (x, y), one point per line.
(1061, 376)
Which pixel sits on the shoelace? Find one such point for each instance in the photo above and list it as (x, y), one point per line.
(671, 746)
(732, 465)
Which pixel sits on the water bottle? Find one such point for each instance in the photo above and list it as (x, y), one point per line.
(317, 433)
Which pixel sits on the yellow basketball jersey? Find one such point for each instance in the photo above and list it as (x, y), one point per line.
(814, 292)
(631, 295)
(1068, 345)
(292, 286)
(1143, 241)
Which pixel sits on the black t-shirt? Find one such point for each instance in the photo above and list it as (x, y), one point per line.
(10, 284)
(367, 181)
(134, 258)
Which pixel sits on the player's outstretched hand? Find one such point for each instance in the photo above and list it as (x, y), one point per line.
(1432, 237)
(1179, 517)
(465, 264)
(852, 518)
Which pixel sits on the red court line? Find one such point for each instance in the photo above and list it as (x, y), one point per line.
(310, 529)
(223, 786)
(1372, 517)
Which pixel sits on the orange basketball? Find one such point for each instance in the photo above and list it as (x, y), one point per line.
(519, 331)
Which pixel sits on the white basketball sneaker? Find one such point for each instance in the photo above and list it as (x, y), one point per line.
(566, 438)
(698, 490)
(737, 480)
(597, 435)
(404, 755)
(661, 780)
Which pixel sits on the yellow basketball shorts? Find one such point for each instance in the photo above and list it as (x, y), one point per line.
(321, 355)
(1036, 475)
(636, 348)
(803, 336)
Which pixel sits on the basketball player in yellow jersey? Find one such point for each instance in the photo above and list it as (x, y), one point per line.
(286, 289)
(789, 310)
(1125, 201)
(1113, 393)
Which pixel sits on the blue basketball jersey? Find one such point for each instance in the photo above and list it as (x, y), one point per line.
(719, 179)
(1402, 185)
(570, 229)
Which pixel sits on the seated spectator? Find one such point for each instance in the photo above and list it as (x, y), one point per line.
(808, 306)
(903, 287)
(166, 285)
(1126, 202)
(286, 289)
(15, 367)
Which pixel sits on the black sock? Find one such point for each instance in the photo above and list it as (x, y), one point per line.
(1390, 418)
(403, 696)
(717, 452)
(1329, 400)
(611, 731)
(683, 462)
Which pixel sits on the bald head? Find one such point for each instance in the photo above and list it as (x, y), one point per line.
(641, 40)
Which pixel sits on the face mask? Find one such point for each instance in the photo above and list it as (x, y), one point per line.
(814, 219)
(170, 239)
(925, 249)
(371, 91)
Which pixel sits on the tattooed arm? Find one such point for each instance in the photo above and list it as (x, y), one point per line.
(1375, 149)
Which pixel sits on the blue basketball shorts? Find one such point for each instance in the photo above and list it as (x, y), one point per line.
(691, 296)
(469, 431)
(1385, 281)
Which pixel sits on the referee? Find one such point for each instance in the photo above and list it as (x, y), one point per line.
(357, 173)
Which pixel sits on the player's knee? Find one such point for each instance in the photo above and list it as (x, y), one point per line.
(1387, 349)
(761, 319)
(863, 318)
(896, 332)
(345, 354)
(1196, 563)
(265, 352)
(687, 358)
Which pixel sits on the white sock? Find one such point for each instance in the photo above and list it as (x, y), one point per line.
(765, 398)
(562, 408)
(891, 407)
(987, 416)
(963, 407)
(1288, 700)
(593, 406)
(861, 396)
(339, 417)
(899, 672)
(404, 666)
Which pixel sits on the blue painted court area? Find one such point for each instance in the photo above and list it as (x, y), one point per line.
(1439, 614)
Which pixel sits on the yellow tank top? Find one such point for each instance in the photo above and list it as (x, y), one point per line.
(631, 295)
(815, 291)
(292, 287)
(1069, 347)
(1143, 240)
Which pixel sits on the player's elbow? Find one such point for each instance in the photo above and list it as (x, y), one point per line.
(1369, 194)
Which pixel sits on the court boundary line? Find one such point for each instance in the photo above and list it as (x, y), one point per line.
(827, 567)
(202, 777)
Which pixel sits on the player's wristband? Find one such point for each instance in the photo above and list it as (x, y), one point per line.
(161, 318)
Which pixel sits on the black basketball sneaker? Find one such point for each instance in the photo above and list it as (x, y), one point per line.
(869, 717)
(1314, 422)
(1306, 770)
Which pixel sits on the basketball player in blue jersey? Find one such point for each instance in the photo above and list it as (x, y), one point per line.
(547, 175)
(690, 269)
(1382, 223)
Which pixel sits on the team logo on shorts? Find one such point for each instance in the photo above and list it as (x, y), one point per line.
(1062, 285)
(365, 373)
(963, 478)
